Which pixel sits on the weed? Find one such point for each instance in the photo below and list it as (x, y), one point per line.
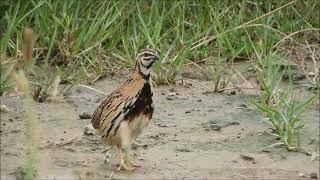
(284, 117)
(279, 105)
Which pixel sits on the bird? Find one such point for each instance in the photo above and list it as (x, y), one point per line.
(127, 111)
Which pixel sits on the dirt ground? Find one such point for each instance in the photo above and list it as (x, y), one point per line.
(193, 135)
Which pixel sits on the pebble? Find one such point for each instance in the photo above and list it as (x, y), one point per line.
(247, 158)
(89, 131)
(170, 98)
(85, 115)
(313, 175)
(233, 123)
(311, 74)
(70, 149)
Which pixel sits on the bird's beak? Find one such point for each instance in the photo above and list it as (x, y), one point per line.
(156, 57)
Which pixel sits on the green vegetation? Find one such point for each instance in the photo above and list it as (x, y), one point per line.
(84, 40)
(81, 37)
(278, 104)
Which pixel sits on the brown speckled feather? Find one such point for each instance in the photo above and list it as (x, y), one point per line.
(131, 101)
(122, 116)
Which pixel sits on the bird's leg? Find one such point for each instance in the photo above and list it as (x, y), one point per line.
(118, 152)
(107, 157)
(124, 133)
(125, 160)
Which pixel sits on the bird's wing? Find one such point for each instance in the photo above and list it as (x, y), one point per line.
(115, 103)
(96, 118)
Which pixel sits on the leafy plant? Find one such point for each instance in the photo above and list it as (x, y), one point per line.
(280, 109)
(284, 118)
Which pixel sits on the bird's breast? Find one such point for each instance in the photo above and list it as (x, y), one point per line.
(143, 104)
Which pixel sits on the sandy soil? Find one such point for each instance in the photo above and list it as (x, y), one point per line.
(194, 135)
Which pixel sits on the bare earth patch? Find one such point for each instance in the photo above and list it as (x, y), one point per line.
(193, 135)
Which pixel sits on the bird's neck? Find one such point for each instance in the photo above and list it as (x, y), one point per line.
(141, 71)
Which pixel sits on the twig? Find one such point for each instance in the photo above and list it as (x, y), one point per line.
(292, 34)
(91, 88)
(298, 149)
(59, 144)
(232, 88)
(96, 79)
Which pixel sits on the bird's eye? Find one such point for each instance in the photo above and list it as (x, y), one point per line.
(147, 54)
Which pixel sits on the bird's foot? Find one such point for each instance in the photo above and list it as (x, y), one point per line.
(134, 164)
(125, 165)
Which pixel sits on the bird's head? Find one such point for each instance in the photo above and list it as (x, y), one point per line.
(145, 60)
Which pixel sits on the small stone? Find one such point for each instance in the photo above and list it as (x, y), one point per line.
(160, 125)
(313, 175)
(172, 94)
(233, 123)
(85, 115)
(64, 81)
(299, 77)
(266, 151)
(183, 150)
(247, 157)
(301, 175)
(170, 98)
(70, 149)
(88, 130)
(311, 74)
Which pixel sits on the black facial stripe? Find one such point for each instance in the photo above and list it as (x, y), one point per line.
(146, 53)
(149, 66)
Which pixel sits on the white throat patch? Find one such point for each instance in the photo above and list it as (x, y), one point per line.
(143, 69)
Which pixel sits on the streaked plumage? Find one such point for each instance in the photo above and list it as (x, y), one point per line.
(122, 116)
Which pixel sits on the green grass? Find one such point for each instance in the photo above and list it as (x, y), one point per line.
(84, 40)
(100, 35)
(277, 102)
